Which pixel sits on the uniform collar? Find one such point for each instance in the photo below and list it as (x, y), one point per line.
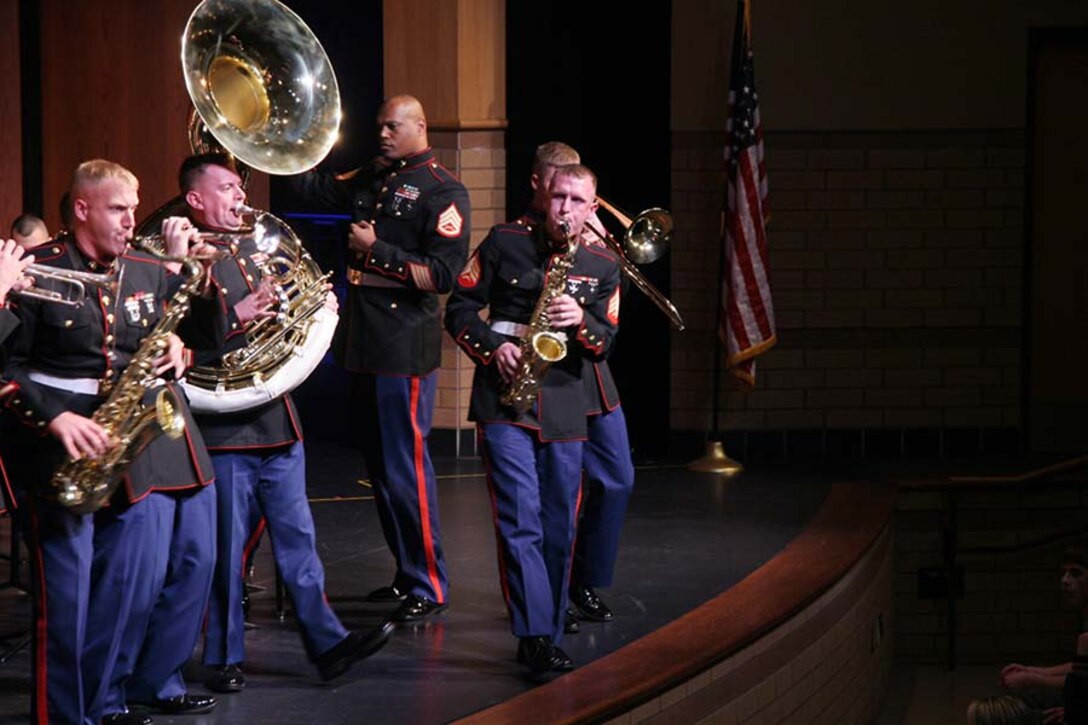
(82, 261)
(410, 162)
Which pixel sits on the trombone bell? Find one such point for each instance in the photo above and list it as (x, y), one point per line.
(648, 236)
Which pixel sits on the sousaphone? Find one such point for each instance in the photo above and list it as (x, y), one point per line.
(263, 90)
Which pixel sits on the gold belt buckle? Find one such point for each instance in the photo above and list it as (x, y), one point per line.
(355, 277)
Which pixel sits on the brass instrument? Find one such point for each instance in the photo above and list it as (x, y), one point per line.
(84, 485)
(267, 233)
(67, 286)
(261, 85)
(541, 346)
(263, 90)
(645, 240)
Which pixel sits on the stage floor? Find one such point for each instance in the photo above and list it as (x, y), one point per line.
(688, 537)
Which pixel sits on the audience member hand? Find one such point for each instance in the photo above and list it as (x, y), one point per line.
(80, 436)
(1054, 716)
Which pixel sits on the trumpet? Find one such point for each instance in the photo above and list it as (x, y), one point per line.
(67, 286)
(266, 232)
(645, 240)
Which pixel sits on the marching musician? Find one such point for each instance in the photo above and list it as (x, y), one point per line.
(410, 238)
(259, 458)
(66, 360)
(606, 457)
(534, 458)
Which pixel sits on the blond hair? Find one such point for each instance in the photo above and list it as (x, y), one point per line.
(553, 153)
(1002, 710)
(94, 172)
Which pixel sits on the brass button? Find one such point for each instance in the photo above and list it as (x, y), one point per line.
(109, 318)
(105, 299)
(67, 323)
(109, 339)
(393, 305)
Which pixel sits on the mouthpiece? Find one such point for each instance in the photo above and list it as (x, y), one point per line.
(244, 209)
(564, 226)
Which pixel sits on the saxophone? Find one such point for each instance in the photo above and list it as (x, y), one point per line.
(84, 485)
(541, 346)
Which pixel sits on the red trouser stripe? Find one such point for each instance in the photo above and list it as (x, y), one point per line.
(421, 490)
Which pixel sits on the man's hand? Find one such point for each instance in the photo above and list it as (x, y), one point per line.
(257, 305)
(172, 358)
(80, 436)
(507, 359)
(361, 237)
(564, 311)
(331, 301)
(1054, 716)
(13, 264)
(177, 234)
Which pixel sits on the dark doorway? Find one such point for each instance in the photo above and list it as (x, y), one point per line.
(598, 79)
(1056, 253)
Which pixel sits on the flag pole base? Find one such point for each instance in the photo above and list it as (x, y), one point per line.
(715, 461)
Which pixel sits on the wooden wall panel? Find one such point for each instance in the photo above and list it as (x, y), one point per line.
(420, 49)
(11, 148)
(115, 89)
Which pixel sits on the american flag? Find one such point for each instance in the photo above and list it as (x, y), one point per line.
(747, 319)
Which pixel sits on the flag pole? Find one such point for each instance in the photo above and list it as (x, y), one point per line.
(714, 458)
(745, 314)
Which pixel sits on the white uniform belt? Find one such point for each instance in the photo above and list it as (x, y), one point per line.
(363, 279)
(86, 386)
(506, 327)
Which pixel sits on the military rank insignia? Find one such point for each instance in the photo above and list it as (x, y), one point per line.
(449, 222)
(471, 273)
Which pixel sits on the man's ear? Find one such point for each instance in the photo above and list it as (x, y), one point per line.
(534, 181)
(194, 199)
(79, 209)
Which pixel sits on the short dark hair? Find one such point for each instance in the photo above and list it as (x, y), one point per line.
(193, 167)
(1075, 554)
(26, 224)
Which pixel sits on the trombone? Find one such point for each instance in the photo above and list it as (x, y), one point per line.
(646, 239)
(69, 286)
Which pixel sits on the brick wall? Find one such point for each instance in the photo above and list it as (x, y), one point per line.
(896, 273)
(1011, 609)
(828, 664)
(479, 160)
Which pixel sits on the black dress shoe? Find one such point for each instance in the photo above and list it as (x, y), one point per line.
(588, 605)
(570, 622)
(416, 608)
(540, 656)
(356, 646)
(126, 718)
(391, 593)
(226, 679)
(180, 705)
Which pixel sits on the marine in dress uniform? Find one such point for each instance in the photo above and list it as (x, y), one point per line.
(65, 360)
(534, 458)
(411, 231)
(608, 482)
(260, 464)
